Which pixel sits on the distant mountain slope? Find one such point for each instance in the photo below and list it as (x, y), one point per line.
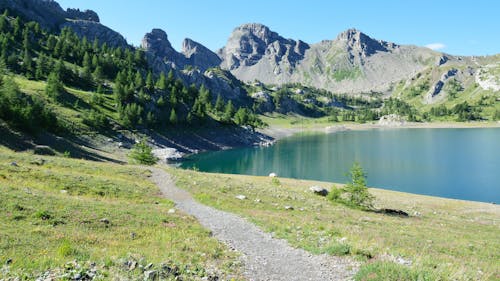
(352, 63)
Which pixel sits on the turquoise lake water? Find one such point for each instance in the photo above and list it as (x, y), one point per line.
(452, 163)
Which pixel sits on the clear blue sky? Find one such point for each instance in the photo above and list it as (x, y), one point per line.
(458, 27)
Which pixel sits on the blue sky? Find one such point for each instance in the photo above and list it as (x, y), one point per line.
(458, 27)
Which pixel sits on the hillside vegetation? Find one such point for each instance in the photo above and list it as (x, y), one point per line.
(64, 217)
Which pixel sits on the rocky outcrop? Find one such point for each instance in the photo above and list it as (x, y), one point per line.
(362, 44)
(51, 16)
(76, 14)
(47, 13)
(252, 44)
(436, 89)
(199, 56)
(160, 53)
(204, 71)
(94, 30)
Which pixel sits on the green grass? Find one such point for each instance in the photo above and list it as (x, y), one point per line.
(446, 240)
(63, 210)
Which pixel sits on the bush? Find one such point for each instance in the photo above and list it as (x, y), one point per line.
(142, 153)
(338, 249)
(381, 271)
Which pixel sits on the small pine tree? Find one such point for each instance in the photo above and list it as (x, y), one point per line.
(150, 82)
(356, 190)
(219, 104)
(355, 193)
(173, 117)
(142, 153)
(161, 84)
(496, 115)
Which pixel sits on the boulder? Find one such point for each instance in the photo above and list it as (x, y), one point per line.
(168, 154)
(150, 275)
(318, 190)
(273, 175)
(241, 197)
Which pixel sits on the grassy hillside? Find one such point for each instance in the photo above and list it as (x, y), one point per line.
(441, 240)
(66, 217)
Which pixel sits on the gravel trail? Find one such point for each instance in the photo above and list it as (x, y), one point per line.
(264, 257)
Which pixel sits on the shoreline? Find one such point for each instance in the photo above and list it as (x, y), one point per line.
(279, 132)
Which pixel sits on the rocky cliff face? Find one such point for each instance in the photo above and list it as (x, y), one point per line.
(351, 63)
(47, 13)
(50, 15)
(194, 65)
(198, 55)
(255, 45)
(160, 53)
(94, 30)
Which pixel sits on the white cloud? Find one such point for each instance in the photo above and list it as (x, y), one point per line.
(436, 46)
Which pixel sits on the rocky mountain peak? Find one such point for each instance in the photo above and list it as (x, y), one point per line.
(199, 55)
(250, 42)
(156, 42)
(361, 43)
(259, 31)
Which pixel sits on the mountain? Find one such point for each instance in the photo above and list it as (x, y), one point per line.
(195, 64)
(351, 63)
(50, 15)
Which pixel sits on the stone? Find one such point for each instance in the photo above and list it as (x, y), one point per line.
(273, 175)
(104, 220)
(241, 197)
(43, 150)
(150, 275)
(148, 266)
(290, 208)
(318, 190)
(171, 211)
(168, 154)
(132, 265)
(133, 235)
(14, 164)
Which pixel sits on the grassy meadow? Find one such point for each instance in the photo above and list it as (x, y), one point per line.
(441, 240)
(56, 211)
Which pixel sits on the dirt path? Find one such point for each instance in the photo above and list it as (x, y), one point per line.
(264, 257)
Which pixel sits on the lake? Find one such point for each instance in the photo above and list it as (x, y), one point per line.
(452, 163)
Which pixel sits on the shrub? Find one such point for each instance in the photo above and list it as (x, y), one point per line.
(338, 249)
(142, 153)
(381, 271)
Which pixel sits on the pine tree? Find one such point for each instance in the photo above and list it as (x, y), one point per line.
(205, 98)
(161, 84)
(170, 78)
(228, 112)
(219, 104)
(142, 153)
(28, 64)
(150, 82)
(173, 117)
(54, 87)
(173, 96)
(138, 80)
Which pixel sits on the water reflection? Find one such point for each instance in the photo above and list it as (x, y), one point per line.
(455, 163)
